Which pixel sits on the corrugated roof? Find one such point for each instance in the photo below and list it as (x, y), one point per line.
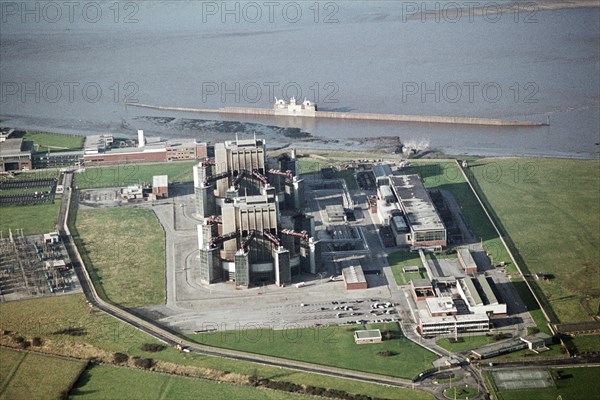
(354, 274)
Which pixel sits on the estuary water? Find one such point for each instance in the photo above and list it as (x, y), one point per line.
(70, 67)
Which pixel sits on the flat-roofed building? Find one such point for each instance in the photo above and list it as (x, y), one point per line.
(385, 193)
(441, 306)
(354, 277)
(479, 296)
(178, 150)
(160, 185)
(367, 336)
(410, 269)
(400, 229)
(148, 153)
(466, 261)
(15, 155)
(335, 213)
(422, 289)
(426, 227)
(386, 210)
(431, 326)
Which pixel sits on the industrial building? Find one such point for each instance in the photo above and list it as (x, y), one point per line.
(466, 261)
(240, 195)
(160, 186)
(15, 155)
(454, 304)
(479, 296)
(405, 206)
(454, 324)
(425, 225)
(105, 149)
(353, 275)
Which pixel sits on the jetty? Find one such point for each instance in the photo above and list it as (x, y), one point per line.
(308, 109)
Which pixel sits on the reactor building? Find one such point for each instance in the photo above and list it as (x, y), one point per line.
(253, 230)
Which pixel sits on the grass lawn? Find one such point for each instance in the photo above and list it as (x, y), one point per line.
(329, 346)
(467, 343)
(130, 174)
(126, 250)
(460, 392)
(44, 316)
(107, 382)
(33, 219)
(309, 165)
(401, 259)
(27, 376)
(550, 210)
(577, 384)
(53, 142)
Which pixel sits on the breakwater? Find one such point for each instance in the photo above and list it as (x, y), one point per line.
(431, 119)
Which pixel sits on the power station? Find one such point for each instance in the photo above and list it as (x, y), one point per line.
(253, 230)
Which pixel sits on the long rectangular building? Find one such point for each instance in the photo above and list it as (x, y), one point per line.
(426, 227)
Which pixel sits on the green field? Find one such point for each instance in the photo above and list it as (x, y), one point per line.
(467, 343)
(130, 174)
(53, 142)
(577, 384)
(550, 210)
(46, 317)
(401, 259)
(125, 248)
(33, 219)
(106, 382)
(28, 376)
(329, 346)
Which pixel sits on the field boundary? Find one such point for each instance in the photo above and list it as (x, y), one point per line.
(512, 257)
(12, 373)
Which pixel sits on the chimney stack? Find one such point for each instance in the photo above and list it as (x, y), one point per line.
(141, 140)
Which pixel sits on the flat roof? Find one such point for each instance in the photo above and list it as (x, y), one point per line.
(467, 257)
(411, 268)
(160, 181)
(471, 292)
(416, 203)
(386, 191)
(464, 318)
(229, 144)
(335, 209)
(487, 289)
(12, 147)
(368, 334)
(493, 348)
(421, 283)
(440, 304)
(354, 274)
